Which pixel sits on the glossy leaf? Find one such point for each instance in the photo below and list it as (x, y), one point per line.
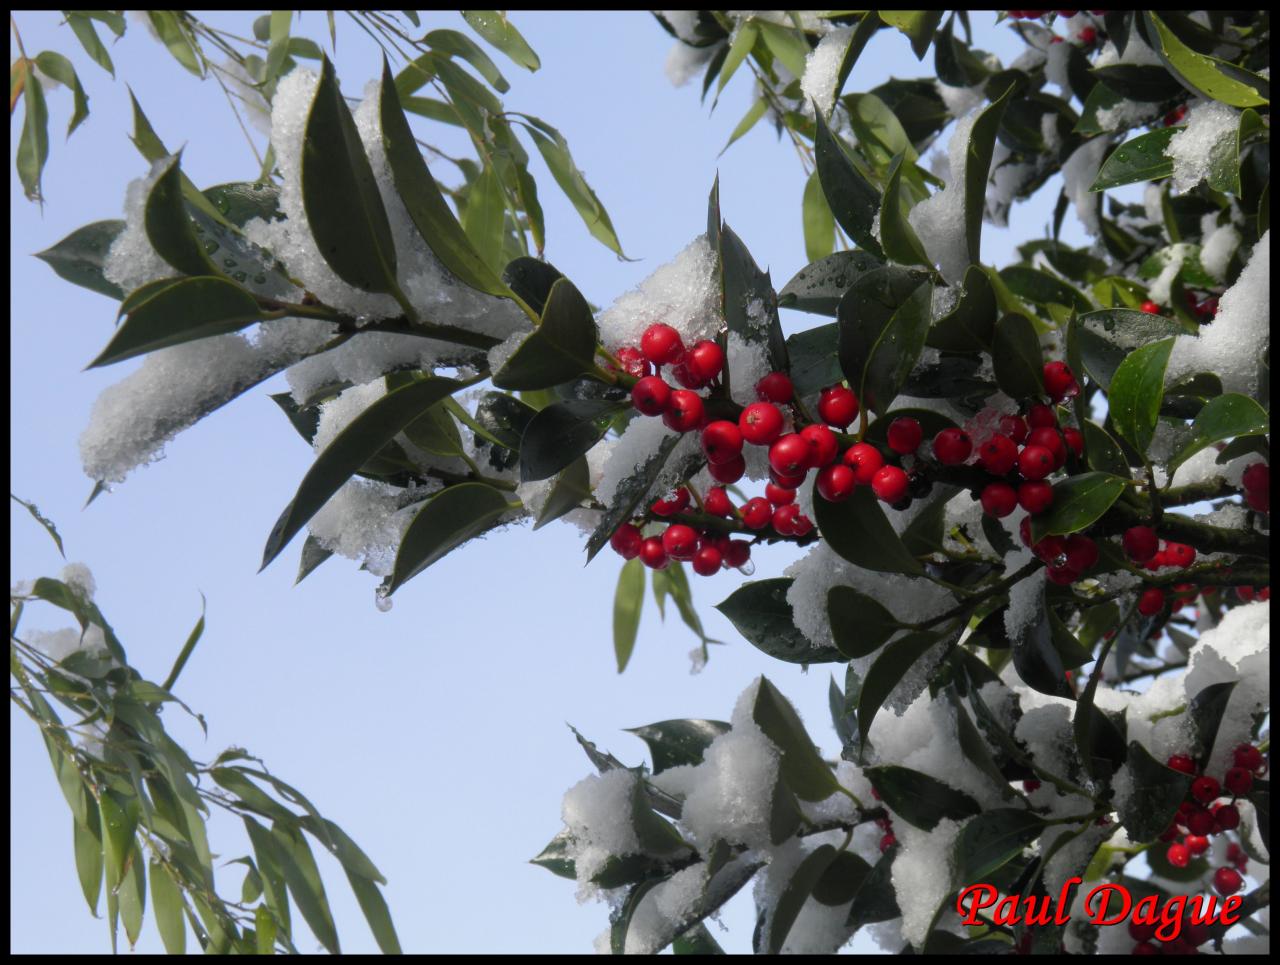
(1156, 791)
(875, 899)
(994, 838)
(1227, 416)
(567, 492)
(797, 891)
(629, 495)
(562, 432)
(340, 194)
(750, 305)
(967, 327)
(494, 27)
(80, 256)
(1078, 502)
(1108, 337)
(1140, 159)
(1205, 712)
(814, 358)
(678, 743)
(918, 25)
(628, 600)
(884, 319)
(186, 311)
(1034, 285)
(863, 32)
(1016, 357)
(859, 624)
(982, 142)
(885, 674)
(919, 798)
(446, 521)
(896, 234)
(1103, 452)
(802, 768)
(369, 432)
(1201, 74)
(818, 287)
(853, 200)
(858, 530)
(760, 612)
(1136, 392)
(561, 347)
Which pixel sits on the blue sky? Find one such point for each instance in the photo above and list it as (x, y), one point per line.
(434, 733)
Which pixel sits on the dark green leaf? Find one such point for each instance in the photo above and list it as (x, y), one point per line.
(556, 856)
(1109, 336)
(796, 893)
(853, 200)
(83, 28)
(344, 208)
(1225, 417)
(446, 521)
(627, 602)
(885, 674)
(43, 521)
(494, 27)
(884, 319)
(896, 234)
(240, 202)
(858, 530)
(186, 311)
(369, 432)
(841, 881)
(1156, 792)
(818, 287)
(750, 305)
(814, 357)
(169, 229)
(453, 44)
(60, 69)
(629, 494)
(88, 848)
(992, 839)
(677, 743)
(918, 798)
(1205, 712)
(1140, 159)
(696, 941)
(567, 492)
(79, 257)
(968, 326)
(1137, 389)
(982, 142)
(1146, 83)
(918, 25)
(562, 432)
(376, 913)
(1043, 288)
(803, 769)
(1103, 452)
(174, 36)
(1260, 797)
(561, 347)
(1201, 74)
(760, 612)
(531, 279)
(875, 899)
(1016, 357)
(299, 867)
(859, 624)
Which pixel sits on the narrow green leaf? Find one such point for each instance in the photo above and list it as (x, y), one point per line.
(494, 27)
(446, 521)
(754, 113)
(376, 913)
(750, 305)
(805, 772)
(1136, 392)
(169, 228)
(270, 861)
(982, 142)
(167, 903)
(278, 49)
(342, 458)
(87, 838)
(483, 218)
(453, 44)
(33, 143)
(819, 224)
(1016, 357)
(174, 36)
(739, 47)
(853, 200)
(84, 30)
(866, 28)
(303, 877)
(133, 894)
(60, 69)
(627, 602)
(896, 234)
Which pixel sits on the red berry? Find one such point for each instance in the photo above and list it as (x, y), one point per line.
(685, 375)
(790, 454)
(652, 554)
(705, 360)
(1238, 781)
(836, 483)
(1062, 575)
(626, 541)
(1150, 307)
(1151, 602)
(838, 406)
(1082, 552)
(1041, 416)
(707, 561)
(801, 525)
(1035, 462)
(865, 461)
(1264, 594)
(1055, 39)
(633, 362)
(1170, 119)
(951, 447)
(1197, 844)
(775, 387)
(1088, 35)
(1140, 543)
(1195, 934)
(1227, 881)
(1141, 930)
(784, 518)
(823, 445)
(1035, 497)
(1259, 500)
(779, 496)
(1178, 855)
(1052, 550)
(997, 455)
(717, 502)
(999, 499)
(904, 435)
(1248, 757)
(1015, 427)
(756, 513)
(761, 423)
(1227, 816)
(1050, 439)
(1183, 763)
(1180, 554)
(722, 441)
(1030, 784)
(889, 484)
(1024, 531)
(1144, 948)
(672, 503)
(684, 412)
(785, 481)
(651, 395)
(737, 553)
(1075, 440)
(1256, 478)
(887, 842)
(1234, 852)
(1200, 822)
(680, 541)
(661, 344)
(728, 472)
(1059, 381)
(1205, 789)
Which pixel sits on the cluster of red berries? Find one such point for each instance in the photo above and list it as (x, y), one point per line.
(1256, 482)
(705, 550)
(1206, 308)
(1175, 116)
(885, 824)
(693, 368)
(1203, 814)
(1191, 936)
(1247, 594)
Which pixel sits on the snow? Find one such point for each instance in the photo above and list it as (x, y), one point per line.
(131, 262)
(684, 293)
(922, 874)
(939, 219)
(748, 363)
(80, 579)
(1078, 175)
(1026, 598)
(597, 811)
(1239, 335)
(1127, 114)
(633, 449)
(822, 69)
(366, 520)
(1217, 248)
(1173, 258)
(684, 62)
(1193, 149)
(58, 645)
(1055, 68)
(960, 100)
(683, 22)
